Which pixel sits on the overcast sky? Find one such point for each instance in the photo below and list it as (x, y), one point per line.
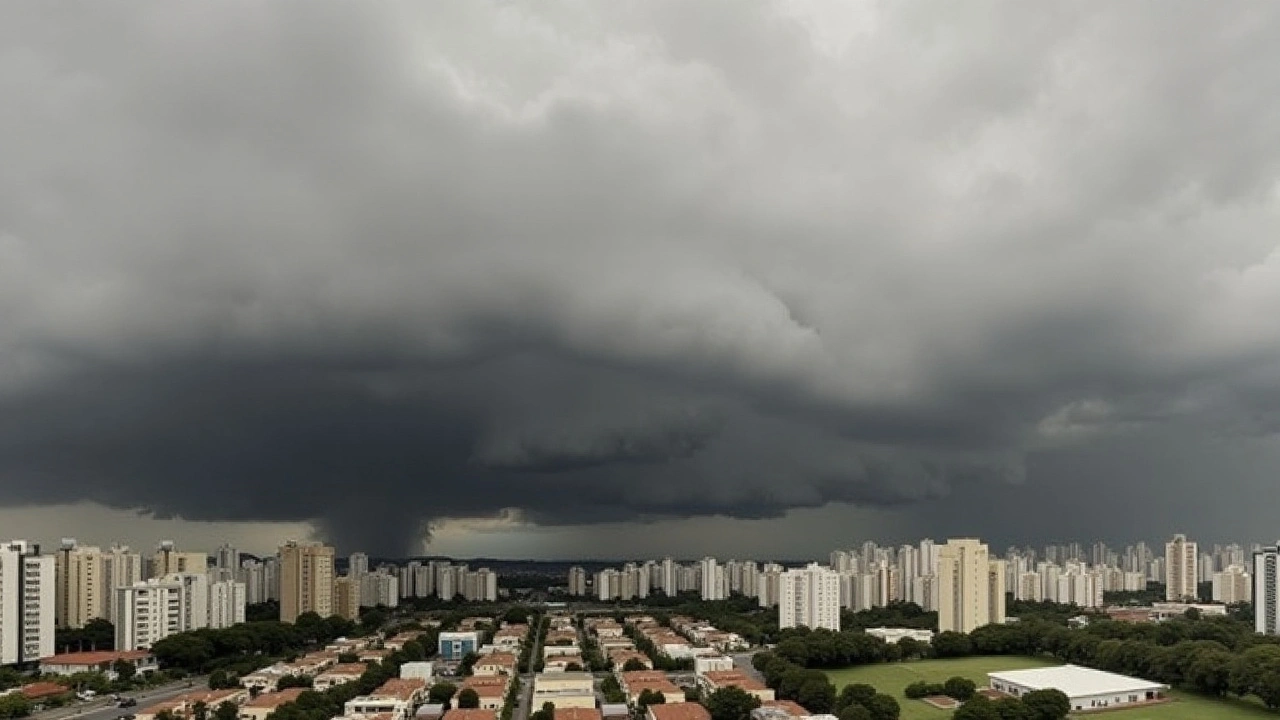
(625, 278)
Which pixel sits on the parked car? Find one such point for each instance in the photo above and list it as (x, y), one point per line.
(128, 702)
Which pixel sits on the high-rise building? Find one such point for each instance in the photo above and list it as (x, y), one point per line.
(669, 576)
(577, 581)
(480, 585)
(965, 580)
(378, 588)
(1232, 585)
(1181, 564)
(80, 585)
(120, 568)
(713, 580)
(167, 560)
(226, 603)
(809, 597)
(27, 600)
(346, 597)
(306, 580)
(227, 558)
(1266, 577)
(152, 609)
(357, 564)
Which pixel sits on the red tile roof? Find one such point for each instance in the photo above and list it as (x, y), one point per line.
(275, 699)
(469, 714)
(578, 714)
(37, 690)
(679, 711)
(95, 658)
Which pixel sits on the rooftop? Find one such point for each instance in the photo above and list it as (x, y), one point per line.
(275, 699)
(95, 658)
(469, 714)
(679, 711)
(578, 714)
(346, 669)
(790, 707)
(37, 690)
(1075, 681)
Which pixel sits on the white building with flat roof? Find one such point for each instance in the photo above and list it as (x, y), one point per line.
(894, 635)
(809, 597)
(1086, 688)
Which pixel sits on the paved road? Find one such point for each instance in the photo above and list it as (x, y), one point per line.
(742, 661)
(105, 709)
(526, 680)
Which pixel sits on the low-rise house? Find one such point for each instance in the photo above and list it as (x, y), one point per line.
(712, 663)
(564, 663)
(39, 692)
(453, 646)
(491, 689)
(895, 635)
(400, 697)
(430, 711)
(635, 682)
(564, 690)
(495, 664)
(610, 644)
(618, 659)
(681, 711)
(260, 707)
(183, 706)
(373, 654)
(102, 661)
(339, 674)
(780, 710)
(565, 649)
(511, 637)
(714, 680)
(397, 641)
(561, 637)
(421, 669)
(577, 713)
(470, 714)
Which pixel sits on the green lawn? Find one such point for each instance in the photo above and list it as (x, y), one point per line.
(892, 678)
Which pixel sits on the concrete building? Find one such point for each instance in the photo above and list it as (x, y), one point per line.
(357, 564)
(167, 560)
(564, 690)
(1087, 689)
(577, 581)
(965, 582)
(306, 580)
(480, 585)
(27, 600)
(809, 597)
(1266, 576)
(80, 586)
(1180, 569)
(454, 645)
(156, 608)
(379, 588)
(896, 635)
(226, 604)
(1232, 585)
(120, 568)
(346, 597)
(713, 580)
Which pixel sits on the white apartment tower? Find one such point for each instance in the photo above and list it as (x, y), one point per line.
(155, 608)
(27, 598)
(1181, 564)
(357, 564)
(577, 581)
(1266, 608)
(713, 580)
(965, 582)
(79, 584)
(1232, 585)
(809, 597)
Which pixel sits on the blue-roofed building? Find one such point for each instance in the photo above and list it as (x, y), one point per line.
(453, 646)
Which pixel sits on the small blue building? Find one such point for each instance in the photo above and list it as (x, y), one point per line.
(454, 646)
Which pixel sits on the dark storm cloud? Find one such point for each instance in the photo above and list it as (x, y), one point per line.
(370, 266)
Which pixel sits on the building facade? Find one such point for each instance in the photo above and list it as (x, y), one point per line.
(1266, 608)
(306, 580)
(965, 583)
(27, 601)
(1181, 569)
(809, 597)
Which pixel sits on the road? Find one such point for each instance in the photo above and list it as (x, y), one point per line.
(526, 680)
(106, 709)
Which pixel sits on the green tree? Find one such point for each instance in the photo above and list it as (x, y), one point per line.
(293, 681)
(468, 698)
(854, 711)
(978, 708)
(632, 665)
(859, 693)
(959, 688)
(1010, 709)
(14, 705)
(124, 670)
(817, 694)
(441, 692)
(650, 697)
(1046, 704)
(548, 712)
(226, 710)
(883, 707)
(200, 710)
(952, 644)
(348, 658)
(731, 703)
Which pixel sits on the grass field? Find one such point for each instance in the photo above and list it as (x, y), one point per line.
(892, 678)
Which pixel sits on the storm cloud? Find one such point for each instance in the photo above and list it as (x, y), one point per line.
(373, 265)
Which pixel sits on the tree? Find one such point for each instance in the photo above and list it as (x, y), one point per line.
(650, 697)
(860, 693)
(883, 707)
(14, 705)
(959, 688)
(293, 681)
(731, 703)
(548, 712)
(441, 692)
(200, 710)
(348, 658)
(817, 694)
(1010, 709)
(227, 710)
(573, 667)
(1046, 704)
(978, 708)
(855, 712)
(124, 670)
(468, 698)
(952, 644)
(632, 665)
(220, 680)
(518, 615)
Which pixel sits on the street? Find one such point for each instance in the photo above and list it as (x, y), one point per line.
(526, 680)
(105, 709)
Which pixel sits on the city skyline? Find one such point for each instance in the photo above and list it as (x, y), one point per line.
(550, 279)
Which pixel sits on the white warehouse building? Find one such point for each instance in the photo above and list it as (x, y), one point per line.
(1086, 688)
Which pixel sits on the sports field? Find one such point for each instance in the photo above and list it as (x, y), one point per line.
(892, 678)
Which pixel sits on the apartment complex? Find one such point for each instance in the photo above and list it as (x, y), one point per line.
(306, 580)
(1266, 575)
(809, 597)
(970, 586)
(155, 608)
(27, 601)
(1181, 569)
(168, 560)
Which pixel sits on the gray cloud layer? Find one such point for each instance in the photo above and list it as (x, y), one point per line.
(600, 262)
